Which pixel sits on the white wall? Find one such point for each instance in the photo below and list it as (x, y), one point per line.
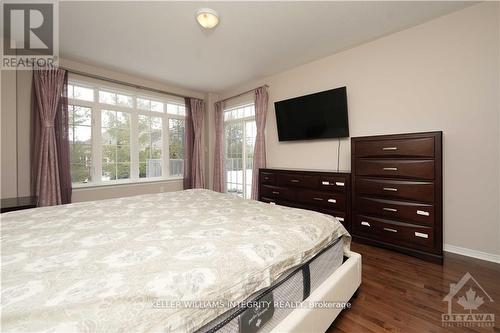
(441, 75)
(16, 102)
(8, 134)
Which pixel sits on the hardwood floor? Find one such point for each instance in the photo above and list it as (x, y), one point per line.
(400, 293)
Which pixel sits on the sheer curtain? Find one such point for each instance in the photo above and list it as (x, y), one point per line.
(259, 153)
(50, 157)
(194, 176)
(219, 163)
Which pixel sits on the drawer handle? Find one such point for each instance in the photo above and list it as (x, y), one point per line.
(339, 183)
(266, 178)
(422, 212)
(391, 189)
(318, 199)
(332, 200)
(276, 192)
(365, 223)
(390, 169)
(390, 229)
(390, 148)
(341, 219)
(294, 181)
(390, 209)
(325, 183)
(422, 235)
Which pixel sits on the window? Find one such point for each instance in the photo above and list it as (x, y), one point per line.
(115, 139)
(240, 131)
(176, 146)
(80, 142)
(150, 146)
(80, 93)
(117, 135)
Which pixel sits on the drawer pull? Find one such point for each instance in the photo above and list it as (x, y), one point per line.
(390, 169)
(266, 178)
(390, 148)
(339, 183)
(390, 209)
(390, 229)
(325, 183)
(332, 200)
(318, 199)
(294, 181)
(341, 219)
(391, 189)
(422, 235)
(422, 212)
(276, 192)
(365, 223)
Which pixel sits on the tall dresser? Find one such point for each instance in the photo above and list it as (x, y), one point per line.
(323, 191)
(397, 193)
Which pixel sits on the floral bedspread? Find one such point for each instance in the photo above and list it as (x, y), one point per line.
(123, 265)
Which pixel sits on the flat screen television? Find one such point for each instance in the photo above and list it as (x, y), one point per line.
(316, 116)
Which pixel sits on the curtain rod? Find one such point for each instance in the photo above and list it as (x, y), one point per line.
(241, 94)
(136, 86)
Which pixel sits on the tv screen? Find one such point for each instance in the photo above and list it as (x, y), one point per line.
(317, 116)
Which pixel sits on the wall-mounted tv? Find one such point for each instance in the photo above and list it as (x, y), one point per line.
(317, 116)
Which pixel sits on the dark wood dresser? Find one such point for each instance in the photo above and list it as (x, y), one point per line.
(397, 193)
(13, 204)
(322, 191)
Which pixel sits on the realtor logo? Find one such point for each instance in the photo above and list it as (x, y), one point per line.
(464, 301)
(29, 34)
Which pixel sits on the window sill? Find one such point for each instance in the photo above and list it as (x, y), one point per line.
(125, 183)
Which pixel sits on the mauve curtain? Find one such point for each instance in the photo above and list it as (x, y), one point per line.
(50, 156)
(188, 145)
(259, 153)
(219, 162)
(193, 158)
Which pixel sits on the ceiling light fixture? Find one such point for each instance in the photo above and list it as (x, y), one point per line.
(207, 18)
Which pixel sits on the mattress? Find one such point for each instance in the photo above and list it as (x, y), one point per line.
(106, 265)
(266, 309)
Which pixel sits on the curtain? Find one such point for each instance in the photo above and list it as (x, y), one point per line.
(50, 157)
(188, 145)
(259, 153)
(194, 176)
(219, 163)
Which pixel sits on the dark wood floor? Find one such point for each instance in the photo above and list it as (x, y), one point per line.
(404, 294)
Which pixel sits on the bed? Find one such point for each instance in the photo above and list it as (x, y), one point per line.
(171, 262)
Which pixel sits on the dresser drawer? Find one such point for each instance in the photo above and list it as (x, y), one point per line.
(398, 210)
(423, 169)
(276, 192)
(325, 199)
(268, 178)
(418, 147)
(401, 189)
(329, 183)
(394, 232)
(297, 180)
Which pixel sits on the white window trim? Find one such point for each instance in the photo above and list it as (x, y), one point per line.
(134, 111)
(242, 120)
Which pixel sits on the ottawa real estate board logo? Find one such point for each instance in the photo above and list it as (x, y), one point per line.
(464, 305)
(30, 34)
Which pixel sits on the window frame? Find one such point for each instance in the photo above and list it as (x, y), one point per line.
(243, 121)
(96, 129)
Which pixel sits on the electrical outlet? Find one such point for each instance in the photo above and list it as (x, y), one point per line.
(162, 188)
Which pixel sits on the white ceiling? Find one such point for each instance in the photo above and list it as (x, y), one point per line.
(163, 42)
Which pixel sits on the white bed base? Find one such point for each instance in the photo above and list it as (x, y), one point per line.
(338, 287)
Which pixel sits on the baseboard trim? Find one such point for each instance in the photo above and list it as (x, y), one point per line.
(472, 253)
